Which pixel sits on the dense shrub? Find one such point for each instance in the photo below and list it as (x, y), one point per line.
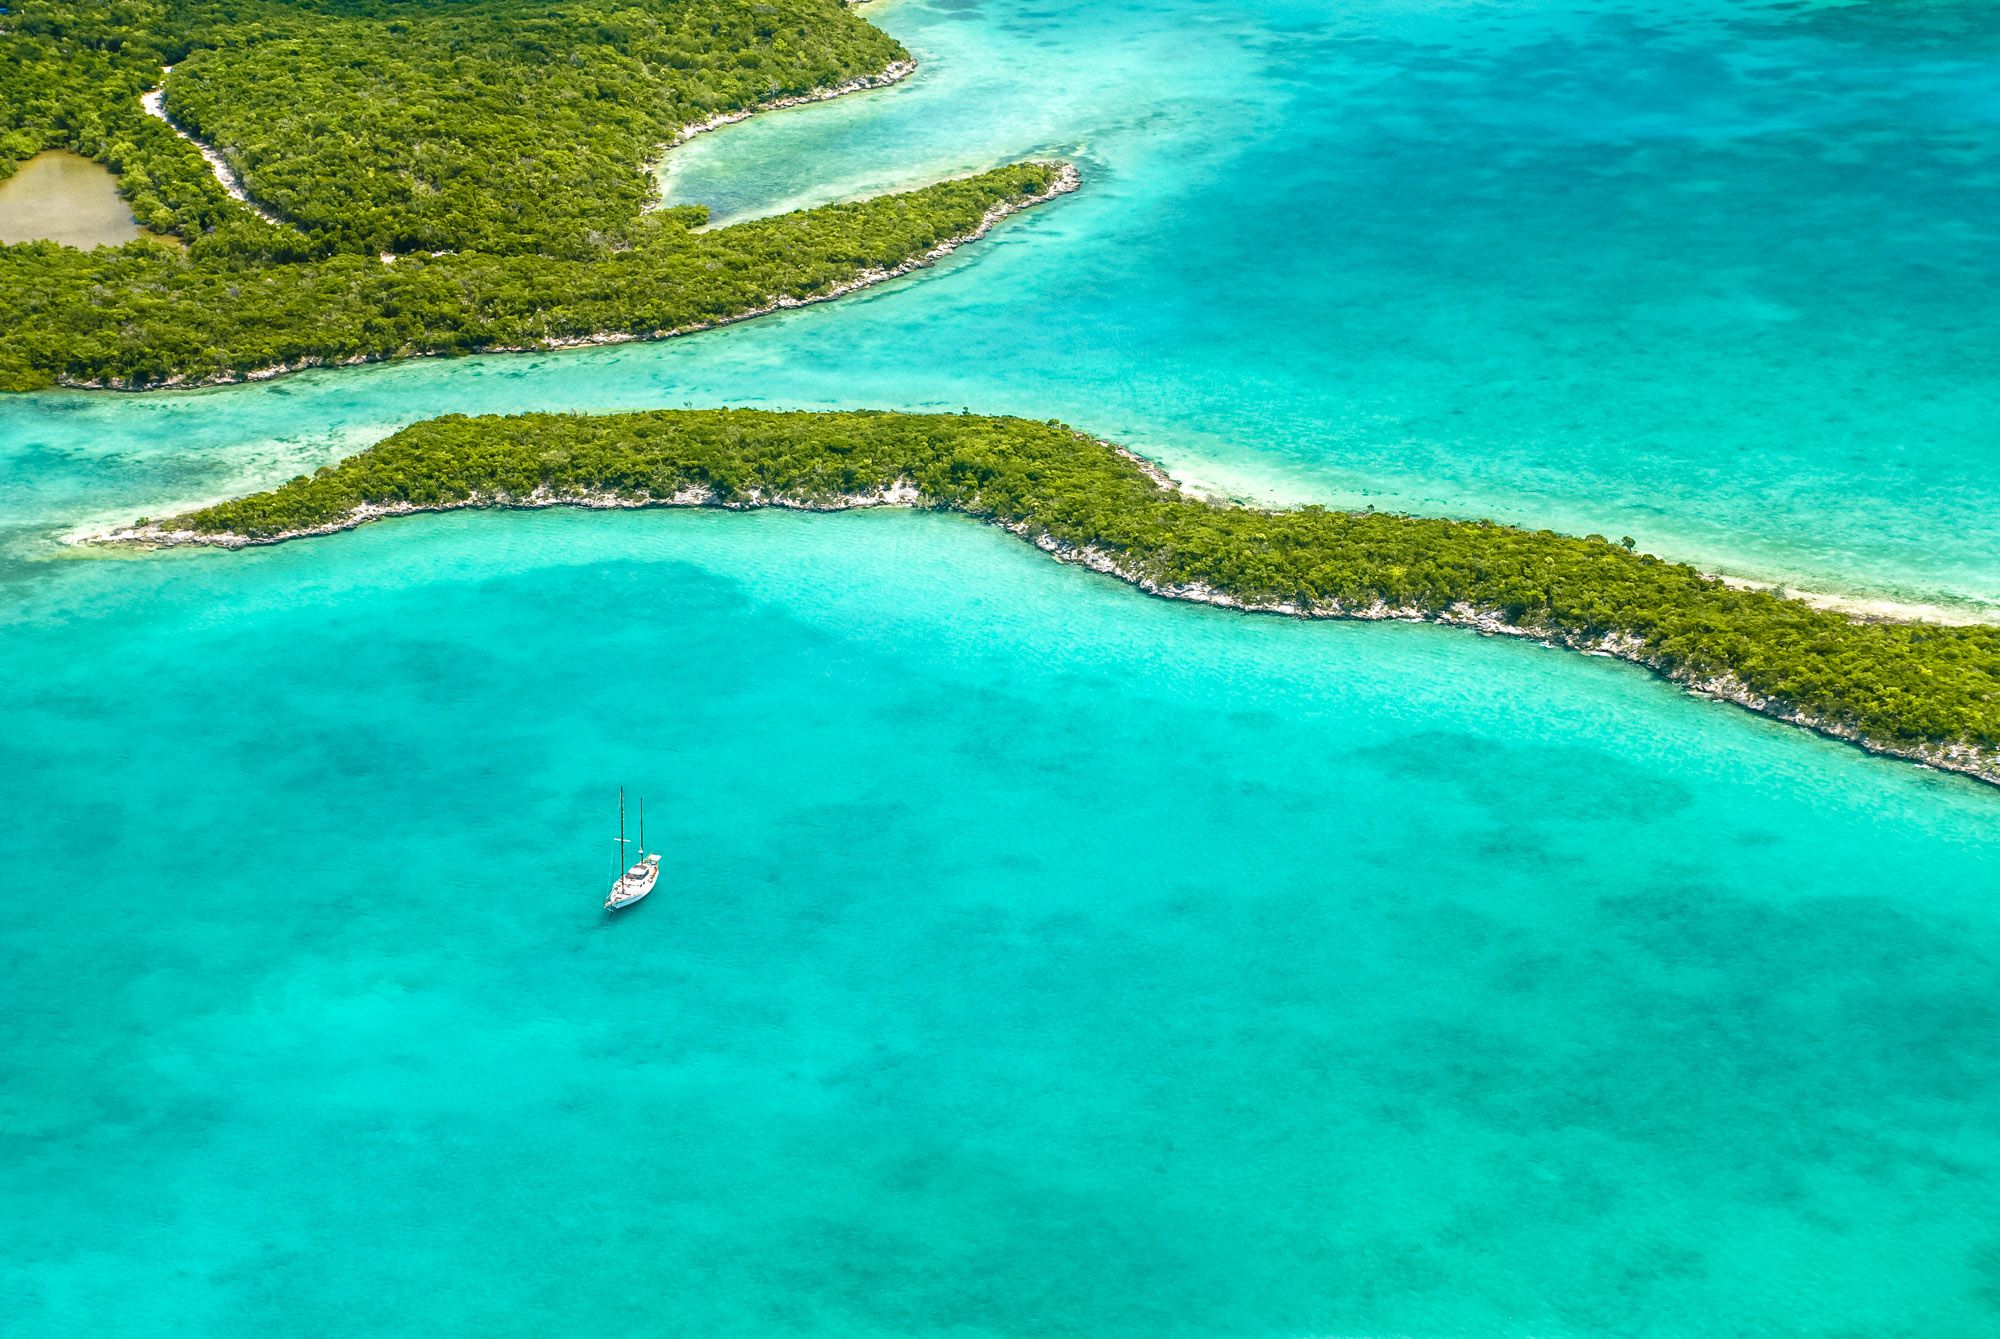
(1894, 683)
(504, 135)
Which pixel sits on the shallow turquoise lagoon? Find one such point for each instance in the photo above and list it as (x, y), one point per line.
(1036, 958)
(1033, 958)
(1715, 275)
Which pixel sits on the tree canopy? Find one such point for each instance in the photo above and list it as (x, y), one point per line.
(492, 148)
(1894, 684)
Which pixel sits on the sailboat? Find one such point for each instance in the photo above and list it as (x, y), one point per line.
(639, 877)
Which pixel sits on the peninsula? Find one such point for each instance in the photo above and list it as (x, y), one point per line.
(1922, 691)
(372, 181)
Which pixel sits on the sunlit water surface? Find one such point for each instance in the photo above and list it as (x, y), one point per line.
(1032, 958)
(1714, 275)
(1035, 958)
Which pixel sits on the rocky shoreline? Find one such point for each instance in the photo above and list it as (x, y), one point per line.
(1980, 765)
(1965, 760)
(154, 102)
(1067, 179)
(893, 73)
(154, 535)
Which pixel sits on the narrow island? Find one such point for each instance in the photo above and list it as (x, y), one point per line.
(351, 183)
(1921, 691)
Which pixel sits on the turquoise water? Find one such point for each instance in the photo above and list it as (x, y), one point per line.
(1714, 275)
(1036, 958)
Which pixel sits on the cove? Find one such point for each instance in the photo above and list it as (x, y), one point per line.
(1711, 275)
(1034, 958)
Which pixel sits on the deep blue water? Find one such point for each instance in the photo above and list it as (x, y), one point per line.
(1034, 958)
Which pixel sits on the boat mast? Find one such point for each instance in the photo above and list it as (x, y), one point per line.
(642, 827)
(621, 832)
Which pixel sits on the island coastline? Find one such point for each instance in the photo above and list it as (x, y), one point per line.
(1871, 608)
(1065, 179)
(893, 73)
(1976, 761)
(154, 103)
(264, 289)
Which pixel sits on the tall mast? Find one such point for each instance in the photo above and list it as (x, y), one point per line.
(621, 832)
(642, 827)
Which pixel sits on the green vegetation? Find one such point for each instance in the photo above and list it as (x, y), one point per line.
(1896, 685)
(492, 146)
(499, 126)
(135, 316)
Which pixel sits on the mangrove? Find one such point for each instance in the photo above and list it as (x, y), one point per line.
(422, 177)
(1920, 690)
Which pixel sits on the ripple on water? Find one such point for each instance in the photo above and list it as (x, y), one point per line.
(1036, 958)
(1337, 979)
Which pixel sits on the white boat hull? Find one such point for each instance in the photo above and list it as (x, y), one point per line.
(634, 884)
